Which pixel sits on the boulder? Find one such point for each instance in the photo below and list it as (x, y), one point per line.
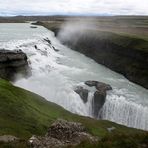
(48, 41)
(91, 83)
(8, 138)
(102, 86)
(61, 134)
(98, 102)
(98, 85)
(13, 62)
(83, 93)
(110, 129)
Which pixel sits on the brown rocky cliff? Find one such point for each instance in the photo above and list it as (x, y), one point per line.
(11, 63)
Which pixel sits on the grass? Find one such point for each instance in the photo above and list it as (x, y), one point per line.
(24, 114)
(124, 40)
(118, 141)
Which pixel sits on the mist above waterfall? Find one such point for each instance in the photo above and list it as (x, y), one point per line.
(73, 30)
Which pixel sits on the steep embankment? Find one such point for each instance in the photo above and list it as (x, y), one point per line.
(11, 63)
(23, 114)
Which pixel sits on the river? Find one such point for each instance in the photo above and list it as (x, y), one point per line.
(56, 74)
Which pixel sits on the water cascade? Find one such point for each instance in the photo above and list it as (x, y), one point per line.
(57, 70)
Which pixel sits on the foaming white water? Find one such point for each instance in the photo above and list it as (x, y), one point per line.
(118, 109)
(56, 74)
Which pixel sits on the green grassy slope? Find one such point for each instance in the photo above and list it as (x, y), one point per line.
(126, 41)
(24, 114)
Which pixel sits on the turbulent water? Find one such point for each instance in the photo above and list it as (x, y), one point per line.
(56, 74)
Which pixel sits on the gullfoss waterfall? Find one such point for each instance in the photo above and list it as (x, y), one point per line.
(57, 71)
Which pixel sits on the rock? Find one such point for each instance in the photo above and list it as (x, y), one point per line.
(48, 41)
(35, 46)
(83, 93)
(98, 102)
(98, 85)
(33, 27)
(45, 142)
(111, 129)
(61, 134)
(91, 83)
(99, 96)
(57, 50)
(13, 62)
(8, 138)
(103, 86)
(63, 130)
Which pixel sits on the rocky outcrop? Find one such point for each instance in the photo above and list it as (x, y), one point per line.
(50, 44)
(123, 54)
(99, 96)
(83, 93)
(13, 62)
(98, 102)
(61, 134)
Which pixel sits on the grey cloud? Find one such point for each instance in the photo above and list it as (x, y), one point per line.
(47, 7)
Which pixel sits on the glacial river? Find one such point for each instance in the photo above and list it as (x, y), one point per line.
(56, 74)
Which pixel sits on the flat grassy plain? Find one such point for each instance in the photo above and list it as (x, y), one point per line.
(127, 31)
(128, 25)
(134, 26)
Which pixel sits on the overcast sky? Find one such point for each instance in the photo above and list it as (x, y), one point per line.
(85, 7)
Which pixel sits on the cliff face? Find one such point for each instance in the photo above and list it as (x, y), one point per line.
(11, 63)
(125, 55)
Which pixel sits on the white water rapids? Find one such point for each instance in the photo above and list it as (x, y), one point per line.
(56, 74)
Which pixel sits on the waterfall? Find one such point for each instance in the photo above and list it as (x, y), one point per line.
(57, 70)
(119, 110)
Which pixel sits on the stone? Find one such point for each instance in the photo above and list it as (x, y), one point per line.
(103, 86)
(8, 138)
(91, 83)
(99, 85)
(111, 129)
(83, 93)
(48, 41)
(99, 96)
(98, 102)
(13, 62)
(61, 134)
